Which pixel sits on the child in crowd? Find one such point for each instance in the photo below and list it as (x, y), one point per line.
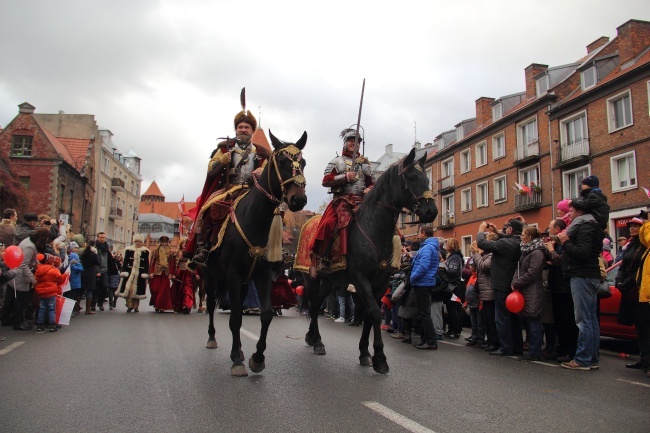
(595, 200)
(48, 285)
(606, 254)
(472, 302)
(563, 211)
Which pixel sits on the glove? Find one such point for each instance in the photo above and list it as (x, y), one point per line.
(643, 214)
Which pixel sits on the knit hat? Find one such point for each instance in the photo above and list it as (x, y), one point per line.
(591, 181)
(517, 226)
(49, 259)
(73, 244)
(563, 205)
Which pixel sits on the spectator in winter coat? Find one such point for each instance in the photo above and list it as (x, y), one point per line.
(528, 281)
(582, 243)
(24, 230)
(76, 269)
(472, 302)
(48, 285)
(595, 202)
(563, 211)
(8, 227)
(483, 261)
(6, 274)
(505, 256)
(423, 279)
(453, 302)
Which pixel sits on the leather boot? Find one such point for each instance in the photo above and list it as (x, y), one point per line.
(89, 302)
(202, 243)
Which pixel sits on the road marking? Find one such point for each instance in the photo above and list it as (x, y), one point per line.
(398, 419)
(546, 364)
(647, 385)
(11, 347)
(450, 343)
(249, 334)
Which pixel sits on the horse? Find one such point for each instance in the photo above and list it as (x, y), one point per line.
(251, 247)
(370, 250)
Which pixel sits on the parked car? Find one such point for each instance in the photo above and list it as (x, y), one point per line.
(609, 310)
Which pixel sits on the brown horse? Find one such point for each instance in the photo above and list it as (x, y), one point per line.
(247, 254)
(370, 250)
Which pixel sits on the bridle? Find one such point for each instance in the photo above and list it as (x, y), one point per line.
(297, 175)
(416, 201)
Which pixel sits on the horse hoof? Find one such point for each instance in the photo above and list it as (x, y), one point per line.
(238, 371)
(309, 340)
(255, 367)
(212, 344)
(380, 367)
(365, 361)
(319, 350)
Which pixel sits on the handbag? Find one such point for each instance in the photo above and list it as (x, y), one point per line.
(603, 291)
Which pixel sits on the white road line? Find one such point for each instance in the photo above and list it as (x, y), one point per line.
(546, 364)
(249, 334)
(11, 347)
(398, 419)
(647, 385)
(451, 344)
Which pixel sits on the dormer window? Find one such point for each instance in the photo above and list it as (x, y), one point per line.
(497, 112)
(588, 78)
(542, 85)
(459, 133)
(21, 145)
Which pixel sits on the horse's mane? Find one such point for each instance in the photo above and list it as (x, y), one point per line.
(383, 184)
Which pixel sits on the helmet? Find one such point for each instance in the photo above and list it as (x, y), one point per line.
(350, 133)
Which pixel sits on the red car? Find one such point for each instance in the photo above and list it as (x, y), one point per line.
(609, 310)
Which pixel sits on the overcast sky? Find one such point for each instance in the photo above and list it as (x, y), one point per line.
(165, 76)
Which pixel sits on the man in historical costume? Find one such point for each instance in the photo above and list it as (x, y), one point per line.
(184, 282)
(134, 276)
(107, 268)
(230, 172)
(349, 178)
(161, 270)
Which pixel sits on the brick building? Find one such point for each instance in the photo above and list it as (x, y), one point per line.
(59, 178)
(522, 153)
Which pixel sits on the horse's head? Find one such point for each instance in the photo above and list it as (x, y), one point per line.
(415, 186)
(287, 163)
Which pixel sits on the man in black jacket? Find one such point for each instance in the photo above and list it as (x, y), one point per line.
(582, 243)
(505, 256)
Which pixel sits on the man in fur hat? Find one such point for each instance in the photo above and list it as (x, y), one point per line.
(349, 178)
(230, 171)
(134, 276)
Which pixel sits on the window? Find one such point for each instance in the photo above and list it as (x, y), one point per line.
(459, 133)
(103, 196)
(61, 195)
(619, 111)
(527, 132)
(466, 243)
(430, 177)
(71, 201)
(588, 78)
(574, 129)
(571, 181)
(466, 200)
(624, 171)
(107, 165)
(465, 162)
(448, 167)
(21, 145)
(448, 208)
(481, 154)
(500, 193)
(101, 225)
(498, 146)
(24, 181)
(497, 112)
(482, 194)
(130, 214)
(542, 85)
(529, 175)
(402, 219)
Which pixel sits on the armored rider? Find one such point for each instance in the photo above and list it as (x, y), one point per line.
(349, 178)
(230, 172)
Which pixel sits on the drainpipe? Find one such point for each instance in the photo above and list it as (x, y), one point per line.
(550, 146)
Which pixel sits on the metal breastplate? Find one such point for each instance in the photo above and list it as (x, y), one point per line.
(343, 164)
(242, 172)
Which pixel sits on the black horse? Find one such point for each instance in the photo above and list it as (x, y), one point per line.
(244, 256)
(370, 251)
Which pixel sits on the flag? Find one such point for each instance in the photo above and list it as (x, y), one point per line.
(64, 308)
(66, 286)
(647, 191)
(181, 205)
(456, 298)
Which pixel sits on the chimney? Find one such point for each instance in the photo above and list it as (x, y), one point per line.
(483, 111)
(389, 149)
(597, 44)
(26, 108)
(633, 38)
(531, 72)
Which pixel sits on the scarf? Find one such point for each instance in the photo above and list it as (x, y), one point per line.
(530, 246)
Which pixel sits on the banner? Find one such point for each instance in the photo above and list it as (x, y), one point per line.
(64, 308)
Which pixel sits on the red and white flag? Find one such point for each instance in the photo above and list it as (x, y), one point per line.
(64, 308)
(181, 207)
(456, 298)
(647, 191)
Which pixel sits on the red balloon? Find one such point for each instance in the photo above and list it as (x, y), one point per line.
(13, 256)
(515, 302)
(300, 290)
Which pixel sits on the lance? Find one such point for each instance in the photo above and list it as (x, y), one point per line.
(356, 136)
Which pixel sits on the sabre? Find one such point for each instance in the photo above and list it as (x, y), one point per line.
(356, 136)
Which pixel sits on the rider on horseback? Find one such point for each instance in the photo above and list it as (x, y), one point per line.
(230, 172)
(349, 178)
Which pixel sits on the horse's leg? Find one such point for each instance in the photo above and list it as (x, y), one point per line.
(373, 317)
(236, 292)
(365, 358)
(263, 285)
(317, 290)
(211, 290)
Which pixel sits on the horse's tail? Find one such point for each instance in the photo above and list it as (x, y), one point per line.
(397, 252)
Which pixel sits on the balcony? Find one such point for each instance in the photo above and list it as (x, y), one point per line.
(527, 152)
(524, 201)
(447, 221)
(117, 185)
(446, 184)
(575, 152)
(116, 213)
